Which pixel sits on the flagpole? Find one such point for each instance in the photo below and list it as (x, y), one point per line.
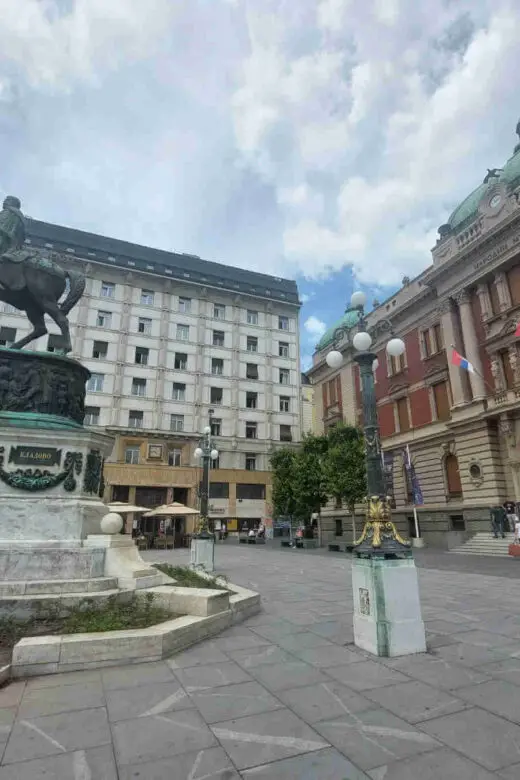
(416, 521)
(476, 372)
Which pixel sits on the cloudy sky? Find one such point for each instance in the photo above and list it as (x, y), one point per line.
(324, 140)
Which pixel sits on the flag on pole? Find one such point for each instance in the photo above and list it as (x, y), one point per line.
(461, 362)
(517, 331)
(418, 499)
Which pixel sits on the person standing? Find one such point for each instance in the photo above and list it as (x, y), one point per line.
(498, 521)
(512, 517)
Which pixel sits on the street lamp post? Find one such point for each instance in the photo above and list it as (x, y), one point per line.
(203, 542)
(387, 611)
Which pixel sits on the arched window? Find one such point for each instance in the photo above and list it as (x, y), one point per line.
(453, 482)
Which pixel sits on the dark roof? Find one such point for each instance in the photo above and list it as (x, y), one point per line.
(173, 265)
(305, 379)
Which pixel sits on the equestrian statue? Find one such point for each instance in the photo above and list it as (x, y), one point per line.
(34, 283)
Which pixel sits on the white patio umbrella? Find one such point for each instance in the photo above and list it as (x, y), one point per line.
(172, 509)
(121, 508)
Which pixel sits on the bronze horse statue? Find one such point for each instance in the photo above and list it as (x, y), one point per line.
(33, 283)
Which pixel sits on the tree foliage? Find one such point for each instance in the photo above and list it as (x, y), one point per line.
(330, 466)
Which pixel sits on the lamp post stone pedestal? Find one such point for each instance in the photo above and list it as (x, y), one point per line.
(387, 609)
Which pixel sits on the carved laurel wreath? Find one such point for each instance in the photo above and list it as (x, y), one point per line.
(34, 480)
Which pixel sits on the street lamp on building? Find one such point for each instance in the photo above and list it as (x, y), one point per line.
(387, 612)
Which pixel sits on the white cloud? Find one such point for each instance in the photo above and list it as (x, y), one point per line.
(314, 326)
(388, 115)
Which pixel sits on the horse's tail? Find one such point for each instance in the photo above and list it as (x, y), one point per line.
(76, 290)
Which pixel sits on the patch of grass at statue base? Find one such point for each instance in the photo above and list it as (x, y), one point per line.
(189, 578)
(114, 614)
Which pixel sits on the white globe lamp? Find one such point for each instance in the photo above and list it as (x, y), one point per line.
(395, 347)
(111, 523)
(214, 454)
(198, 453)
(207, 430)
(334, 359)
(358, 300)
(362, 341)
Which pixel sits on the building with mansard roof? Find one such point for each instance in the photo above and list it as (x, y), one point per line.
(172, 340)
(463, 429)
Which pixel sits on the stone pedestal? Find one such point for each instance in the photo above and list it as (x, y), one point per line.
(202, 552)
(49, 502)
(387, 610)
(122, 560)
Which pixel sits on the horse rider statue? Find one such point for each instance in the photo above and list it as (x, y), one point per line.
(31, 282)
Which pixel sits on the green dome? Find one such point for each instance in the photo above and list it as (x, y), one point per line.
(510, 176)
(349, 320)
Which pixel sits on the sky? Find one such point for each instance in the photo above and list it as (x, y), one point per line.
(321, 140)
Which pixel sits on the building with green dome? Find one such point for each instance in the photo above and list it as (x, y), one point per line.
(462, 427)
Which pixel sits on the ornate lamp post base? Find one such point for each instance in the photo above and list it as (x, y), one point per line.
(380, 537)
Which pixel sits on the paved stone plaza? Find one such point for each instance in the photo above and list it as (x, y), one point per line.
(287, 695)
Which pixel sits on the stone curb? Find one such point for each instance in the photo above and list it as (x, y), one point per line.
(211, 611)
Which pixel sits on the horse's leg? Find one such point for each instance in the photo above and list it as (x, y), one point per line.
(53, 310)
(36, 318)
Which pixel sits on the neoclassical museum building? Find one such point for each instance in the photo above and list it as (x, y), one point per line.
(463, 429)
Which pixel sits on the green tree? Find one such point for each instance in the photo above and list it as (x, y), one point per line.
(344, 467)
(310, 489)
(283, 464)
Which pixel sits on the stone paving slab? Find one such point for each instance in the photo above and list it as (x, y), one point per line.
(287, 695)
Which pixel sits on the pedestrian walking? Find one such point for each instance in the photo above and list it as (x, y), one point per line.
(498, 521)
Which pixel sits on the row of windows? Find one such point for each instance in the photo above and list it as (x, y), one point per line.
(132, 456)
(100, 348)
(441, 404)
(96, 382)
(136, 420)
(144, 325)
(147, 298)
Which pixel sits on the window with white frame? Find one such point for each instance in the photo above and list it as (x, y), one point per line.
(178, 391)
(215, 396)
(284, 376)
(216, 427)
(7, 336)
(132, 454)
(139, 386)
(218, 338)
(251, 430)
(252, 344)
(219, 311)
(185, 305)
(285, 433)
(217, 366)
(144, 325)
(176, 422)
(285, 403)
(252, 317)
(251, 400)
(99, 350)
(283, 349)
(283, 323)
(250, 461)
(108, 290)
(142, 355)
(175, 457)
(181, 361)
(91, 415)
(135, 418)
(251, 371)
(95, 383)
(183, 332)
(147, 297)
(104, 319)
